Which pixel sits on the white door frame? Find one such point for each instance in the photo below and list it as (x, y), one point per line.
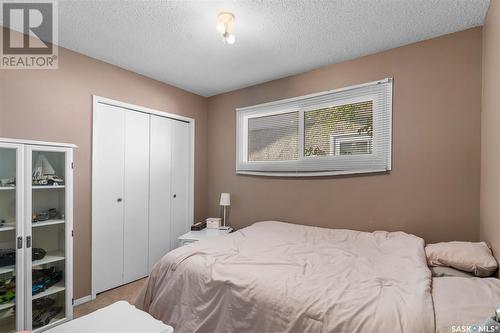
(96, 100)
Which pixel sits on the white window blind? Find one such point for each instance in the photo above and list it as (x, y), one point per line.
(342, 131)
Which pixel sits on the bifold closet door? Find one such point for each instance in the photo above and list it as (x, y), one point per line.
(136, 197)
(120, 196)
(160, 188)
(181, 149)
(107, 210)
(169, 185)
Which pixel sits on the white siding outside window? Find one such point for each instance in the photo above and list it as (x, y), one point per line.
(342, 131)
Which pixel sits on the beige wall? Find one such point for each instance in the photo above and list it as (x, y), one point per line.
(433, 190)
(56, 105)
(490, 155)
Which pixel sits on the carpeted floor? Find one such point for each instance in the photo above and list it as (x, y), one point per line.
(127, 293)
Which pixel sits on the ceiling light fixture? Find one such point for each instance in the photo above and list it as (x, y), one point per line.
(225, 27)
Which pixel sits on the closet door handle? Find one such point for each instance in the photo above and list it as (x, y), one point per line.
(28, 242)
(19, 242)
(119, 200)
(175, 195)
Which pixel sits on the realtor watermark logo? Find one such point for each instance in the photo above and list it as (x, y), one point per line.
(29, 38)
(475, 328)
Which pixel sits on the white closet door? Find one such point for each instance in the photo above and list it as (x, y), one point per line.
(136, 196)
(181, 147)
(160, 188)
(108, 172)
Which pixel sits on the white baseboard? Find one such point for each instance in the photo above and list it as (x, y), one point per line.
(82, 300)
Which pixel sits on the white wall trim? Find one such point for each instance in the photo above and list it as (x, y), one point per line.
(38, 143)
(82, 300)
(136, 108)
(103, 100)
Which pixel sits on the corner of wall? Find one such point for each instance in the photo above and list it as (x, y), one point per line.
(489, 224)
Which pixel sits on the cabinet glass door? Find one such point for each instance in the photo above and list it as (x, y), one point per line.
(48, 235)
(11, 280)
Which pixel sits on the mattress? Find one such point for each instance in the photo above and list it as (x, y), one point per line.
(279, 277)
(464, 303)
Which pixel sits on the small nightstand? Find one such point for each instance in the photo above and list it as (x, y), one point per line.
(194, 236)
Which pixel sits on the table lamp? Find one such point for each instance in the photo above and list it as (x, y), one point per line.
(225, 201)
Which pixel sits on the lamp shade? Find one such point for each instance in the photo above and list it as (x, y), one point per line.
(225, 199)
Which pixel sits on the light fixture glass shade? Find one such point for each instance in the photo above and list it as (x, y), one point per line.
(230, 39)
(225, 27)
(221, 27)
(225, 199)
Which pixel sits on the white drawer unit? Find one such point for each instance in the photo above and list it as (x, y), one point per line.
(194, 236)
(36, 225)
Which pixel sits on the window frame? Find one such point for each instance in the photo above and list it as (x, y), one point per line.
(379, 159)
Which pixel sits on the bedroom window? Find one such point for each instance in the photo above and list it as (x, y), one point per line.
(344, 131)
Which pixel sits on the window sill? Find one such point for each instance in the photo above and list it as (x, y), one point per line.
(310, 174)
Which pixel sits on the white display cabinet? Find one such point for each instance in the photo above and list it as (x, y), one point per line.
(36, 199)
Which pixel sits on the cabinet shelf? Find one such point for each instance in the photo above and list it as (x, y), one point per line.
(7, 188)
(7, 269)
(6, 306)
(50, 257)
(7, 226)
(48, 222)
(45, 187)
(50, 291)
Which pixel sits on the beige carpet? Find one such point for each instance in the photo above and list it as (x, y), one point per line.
(127, 293)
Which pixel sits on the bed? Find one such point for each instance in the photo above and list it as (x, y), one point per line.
(280, 277)
(463, 302)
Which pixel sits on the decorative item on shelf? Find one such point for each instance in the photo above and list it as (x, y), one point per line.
(7, 257)
(45, 278)
(50, 214)
(6, 285)
(37, 253)
(44, 310)
(8, 290)
(44, 316)
(53, 213)
(225, 201)
(42, 216)
(213, 222)
(8, 297)
(2, 223)
(8, 182)
(198, 226)
(44, 174)
(43, 303)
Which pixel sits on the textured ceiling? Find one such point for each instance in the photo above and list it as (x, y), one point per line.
(176, 41)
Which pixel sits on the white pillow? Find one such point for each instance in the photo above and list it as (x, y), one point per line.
(466, 256)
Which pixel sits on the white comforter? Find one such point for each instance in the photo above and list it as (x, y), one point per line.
(278, 277)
